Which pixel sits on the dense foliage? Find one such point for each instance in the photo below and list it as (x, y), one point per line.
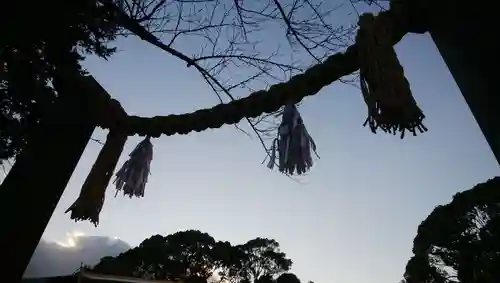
(460, 241)
(57, 33)
(195, 256)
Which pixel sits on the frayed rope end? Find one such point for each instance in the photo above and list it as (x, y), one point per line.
(89, 203)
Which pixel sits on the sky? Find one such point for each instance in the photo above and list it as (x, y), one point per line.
(351, 220)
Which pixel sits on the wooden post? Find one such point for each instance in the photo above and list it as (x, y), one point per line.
(30, 192)
(466, 35)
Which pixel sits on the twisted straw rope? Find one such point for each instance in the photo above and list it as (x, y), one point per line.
(111, 115)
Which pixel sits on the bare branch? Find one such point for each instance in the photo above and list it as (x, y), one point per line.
(230, 41)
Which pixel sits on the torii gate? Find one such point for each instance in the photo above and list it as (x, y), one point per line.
(36, 182)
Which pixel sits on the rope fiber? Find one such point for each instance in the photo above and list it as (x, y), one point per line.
(296, 89)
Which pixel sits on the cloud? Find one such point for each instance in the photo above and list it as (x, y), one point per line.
(63, 258)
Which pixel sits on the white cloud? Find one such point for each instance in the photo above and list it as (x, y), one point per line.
(63, 258)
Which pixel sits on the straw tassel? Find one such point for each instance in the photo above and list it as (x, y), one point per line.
(133, 176)
(386, 91)
(91, 199)
(293, 144)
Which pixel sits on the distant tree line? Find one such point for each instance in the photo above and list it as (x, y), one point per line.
(457, 242)
(194, 256)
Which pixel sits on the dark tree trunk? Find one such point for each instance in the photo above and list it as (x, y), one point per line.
(33, 187)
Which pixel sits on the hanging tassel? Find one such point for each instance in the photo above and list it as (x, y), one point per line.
(133, 175)
(386, 91)
(293, 144)
(272, 157)
(91, 199)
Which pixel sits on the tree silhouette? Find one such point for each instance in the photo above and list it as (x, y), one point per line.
(194, 256)
(31, 55)
(459, 241)
(262, 258)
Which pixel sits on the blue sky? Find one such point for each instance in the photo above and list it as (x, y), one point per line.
(354, 217)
